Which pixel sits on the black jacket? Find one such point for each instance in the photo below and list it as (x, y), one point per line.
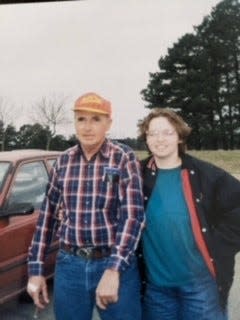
(215, 194)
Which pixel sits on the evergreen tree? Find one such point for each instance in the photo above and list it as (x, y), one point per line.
(199, 78)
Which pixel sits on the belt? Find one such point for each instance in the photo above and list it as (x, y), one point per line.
(87, 252)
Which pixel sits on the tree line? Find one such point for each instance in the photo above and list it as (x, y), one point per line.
(199, 77)
(32, 136)
(36, 136)
(46, 115)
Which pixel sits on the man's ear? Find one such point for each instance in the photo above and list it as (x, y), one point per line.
(109, 123)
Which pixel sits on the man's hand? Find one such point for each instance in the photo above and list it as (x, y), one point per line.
(37, 289)
(107, 289)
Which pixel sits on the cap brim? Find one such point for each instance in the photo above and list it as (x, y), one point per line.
(91, 110)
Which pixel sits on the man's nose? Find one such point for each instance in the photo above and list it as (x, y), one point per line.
(88, 125)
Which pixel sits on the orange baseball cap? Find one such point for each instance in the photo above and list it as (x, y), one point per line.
(92, 102)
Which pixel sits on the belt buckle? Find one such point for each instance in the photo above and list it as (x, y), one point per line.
(87, 252)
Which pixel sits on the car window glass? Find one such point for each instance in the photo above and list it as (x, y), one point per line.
(51, 162)
(4, 166)
(29, 185)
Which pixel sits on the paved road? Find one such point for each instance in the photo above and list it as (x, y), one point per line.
(234, 298)
(25, 311)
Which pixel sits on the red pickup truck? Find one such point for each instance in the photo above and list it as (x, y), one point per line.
(23, 178)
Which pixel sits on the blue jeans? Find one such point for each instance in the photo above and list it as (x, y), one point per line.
(198, 301)
(75, 282)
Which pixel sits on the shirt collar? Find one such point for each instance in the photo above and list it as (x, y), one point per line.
(152, 164)
(104, 149)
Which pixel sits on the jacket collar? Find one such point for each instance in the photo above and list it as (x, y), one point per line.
(187, 162)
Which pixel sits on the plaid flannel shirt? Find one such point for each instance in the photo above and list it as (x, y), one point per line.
(102, 205)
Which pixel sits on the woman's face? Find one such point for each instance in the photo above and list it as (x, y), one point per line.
(162, 139)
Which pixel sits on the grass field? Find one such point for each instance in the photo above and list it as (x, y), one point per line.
(228, 160)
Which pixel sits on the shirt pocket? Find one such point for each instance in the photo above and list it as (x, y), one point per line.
(107, 195)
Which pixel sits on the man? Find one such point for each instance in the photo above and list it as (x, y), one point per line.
(98, 183)
(192, 226)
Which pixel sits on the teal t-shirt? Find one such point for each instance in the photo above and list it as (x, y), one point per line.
(170, 251)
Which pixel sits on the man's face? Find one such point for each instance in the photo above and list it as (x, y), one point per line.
(91, 128)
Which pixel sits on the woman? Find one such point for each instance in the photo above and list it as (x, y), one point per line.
(192, 226)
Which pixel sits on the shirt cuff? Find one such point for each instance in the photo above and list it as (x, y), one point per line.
(35, 269)
(117, 263)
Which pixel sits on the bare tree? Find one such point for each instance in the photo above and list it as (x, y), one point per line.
(50, 112)
(6, 119)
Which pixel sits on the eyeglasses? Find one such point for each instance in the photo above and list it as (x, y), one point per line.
(164, 133)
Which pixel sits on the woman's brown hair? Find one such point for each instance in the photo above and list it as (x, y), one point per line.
(176, 121)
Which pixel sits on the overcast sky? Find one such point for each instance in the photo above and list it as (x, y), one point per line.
(106, 46)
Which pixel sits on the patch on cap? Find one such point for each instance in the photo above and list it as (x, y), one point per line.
(91, 99)
(92, 102)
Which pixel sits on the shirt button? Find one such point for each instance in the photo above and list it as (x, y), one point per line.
(197, 200)
(145, 198)
(204, 230)
(85, 221)
(192, 172)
